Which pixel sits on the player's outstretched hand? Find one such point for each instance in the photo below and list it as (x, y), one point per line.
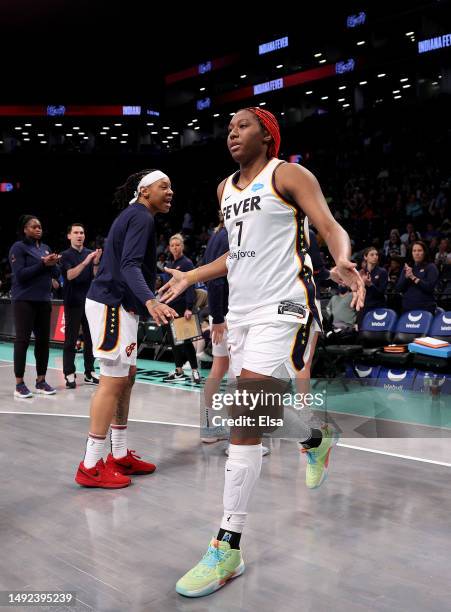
(347, 271)
(177, 285)
(160, 313)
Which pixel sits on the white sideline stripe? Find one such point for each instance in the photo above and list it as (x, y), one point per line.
(360, 448)
(379, 452)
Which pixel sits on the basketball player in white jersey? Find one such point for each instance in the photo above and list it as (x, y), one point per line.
(273, 316)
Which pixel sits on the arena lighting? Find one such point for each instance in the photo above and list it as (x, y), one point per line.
(341, 99)
(41, 135)
(273, 45)
(396, 91)
(150, 123)
(325, 98)
(17, 127)
(433, 44)
(105, 128)
(25, 133)
(43, 141)
(243, 76)
(69, 134)
(118, 125)
(231, 114)
(202, 89)
(279, 66)
(216, 115)
(317, 55)
(85, 137)
(323, 61)
(176, 133)
(113, 138)
(342, 87)
(76, 128)
(403, 80)
(103, 133)
(397, 97)
(345, 105)
(195, 120)
(154, 133)
(131, 110)
(81, 133)
(197, 128)
(406, 86)
(262, 104)
(27, 139)
(361, 42)
(166, 127)
(410, 33)
(27, 124)
(58, 125)
(170, 137)
(363, 82)
(165, 141)
(123, 142)
(382, 74)
(434, 82)
(124, 134)
(308, 93)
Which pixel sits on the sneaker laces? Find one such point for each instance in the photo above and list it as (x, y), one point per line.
(311, 459)
(133, 454)
(212, 557)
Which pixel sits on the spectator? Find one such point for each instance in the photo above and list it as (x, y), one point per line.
(430, 233)
(409, 229)
(161, 263)
(394, 245)
(443, 256)
(339, 309)
(413, 207)
(418, 280)
(375, 279)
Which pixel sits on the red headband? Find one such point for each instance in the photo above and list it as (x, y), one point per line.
(268, 121)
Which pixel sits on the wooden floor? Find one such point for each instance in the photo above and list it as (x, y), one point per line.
(376, 536)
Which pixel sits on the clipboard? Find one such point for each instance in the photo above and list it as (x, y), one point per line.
(183, 329)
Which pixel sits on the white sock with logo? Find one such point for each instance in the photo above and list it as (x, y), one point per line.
(94, 450)
(119, 441)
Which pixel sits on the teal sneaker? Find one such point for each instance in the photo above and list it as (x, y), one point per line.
(219, 564)
(318, 458)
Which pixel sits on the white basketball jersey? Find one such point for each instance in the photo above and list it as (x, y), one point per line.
(268, 262)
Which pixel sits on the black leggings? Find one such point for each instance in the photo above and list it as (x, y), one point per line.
(31, 317)
(186, 351)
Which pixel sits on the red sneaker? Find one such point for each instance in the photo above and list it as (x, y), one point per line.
(130, 464)
(101, 476)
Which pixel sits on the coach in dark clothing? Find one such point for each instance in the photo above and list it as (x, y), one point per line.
(78, 265)
(183, 305)
(417, 281)
(34, 271)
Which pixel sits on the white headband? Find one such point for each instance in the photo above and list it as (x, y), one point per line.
(147, 180)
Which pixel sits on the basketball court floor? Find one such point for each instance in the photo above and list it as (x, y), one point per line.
(375, 536)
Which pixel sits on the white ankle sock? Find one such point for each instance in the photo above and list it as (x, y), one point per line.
(119, 441)
(94, 450)
(242, 470)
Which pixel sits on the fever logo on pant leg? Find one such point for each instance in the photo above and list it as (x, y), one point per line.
(130, 348)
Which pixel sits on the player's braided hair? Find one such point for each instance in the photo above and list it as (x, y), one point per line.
(124, 193)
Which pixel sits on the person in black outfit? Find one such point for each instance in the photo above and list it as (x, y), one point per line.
(418, 280)
(183, 305)
(375, 279)
(34, 272)
(79, 266)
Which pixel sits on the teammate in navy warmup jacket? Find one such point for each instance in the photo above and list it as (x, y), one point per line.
(79, 266)
(418, 280)
(34, 272)
(120, 292)
(375, 279)
(183, 305)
